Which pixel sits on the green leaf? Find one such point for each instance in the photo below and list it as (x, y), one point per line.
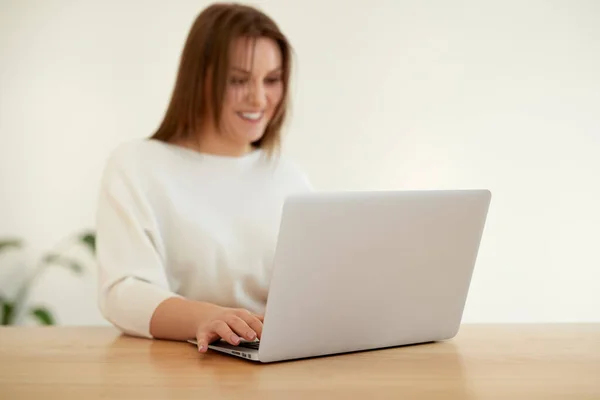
(43, 315)
(8, 309)
(11, 243)
(67, 262)
(89, 239)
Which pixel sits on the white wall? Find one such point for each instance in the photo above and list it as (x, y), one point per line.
(389, 95)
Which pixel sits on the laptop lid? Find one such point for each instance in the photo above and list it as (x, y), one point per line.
(365, 270)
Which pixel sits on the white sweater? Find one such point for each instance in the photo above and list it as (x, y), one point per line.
(175, 222)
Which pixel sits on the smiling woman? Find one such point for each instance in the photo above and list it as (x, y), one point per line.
(187, 220)
(254, 90)
(232, 85)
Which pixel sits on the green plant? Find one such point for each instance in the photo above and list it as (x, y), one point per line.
(14, 308)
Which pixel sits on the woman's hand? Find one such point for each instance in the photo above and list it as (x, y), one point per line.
(229, 324)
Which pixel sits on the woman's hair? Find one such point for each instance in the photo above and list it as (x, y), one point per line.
(206, 54)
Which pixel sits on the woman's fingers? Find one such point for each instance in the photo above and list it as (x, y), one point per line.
(232, 327)
(254, 322)
(222, 329)
(204, 339)
(245, 326)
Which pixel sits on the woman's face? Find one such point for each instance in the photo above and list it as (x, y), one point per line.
(253, 90)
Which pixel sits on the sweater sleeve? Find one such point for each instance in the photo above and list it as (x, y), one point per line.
(131, 277)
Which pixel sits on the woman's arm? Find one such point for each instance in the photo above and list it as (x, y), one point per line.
(182, 319)
(134, 293)
(131, 276)
(178, 318)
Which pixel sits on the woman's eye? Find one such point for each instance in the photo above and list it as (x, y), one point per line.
(237, 81)
(242, 81)
(274, 80)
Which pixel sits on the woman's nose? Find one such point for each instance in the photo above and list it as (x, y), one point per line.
(257, 95)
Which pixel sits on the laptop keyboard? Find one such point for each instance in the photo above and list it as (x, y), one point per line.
(249, 345)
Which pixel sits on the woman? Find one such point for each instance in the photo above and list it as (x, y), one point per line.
(187, 220)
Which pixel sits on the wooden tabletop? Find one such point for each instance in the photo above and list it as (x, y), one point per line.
(482, 362)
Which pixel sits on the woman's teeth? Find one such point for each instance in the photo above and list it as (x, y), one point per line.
(251, 116)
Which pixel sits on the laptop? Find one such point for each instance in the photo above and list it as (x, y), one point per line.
(359, 271)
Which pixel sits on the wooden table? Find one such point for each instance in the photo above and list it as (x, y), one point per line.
(482, 362)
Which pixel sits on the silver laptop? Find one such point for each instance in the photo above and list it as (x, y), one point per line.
(368, 270)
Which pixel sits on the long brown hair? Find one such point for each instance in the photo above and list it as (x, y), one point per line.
(206, 53)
